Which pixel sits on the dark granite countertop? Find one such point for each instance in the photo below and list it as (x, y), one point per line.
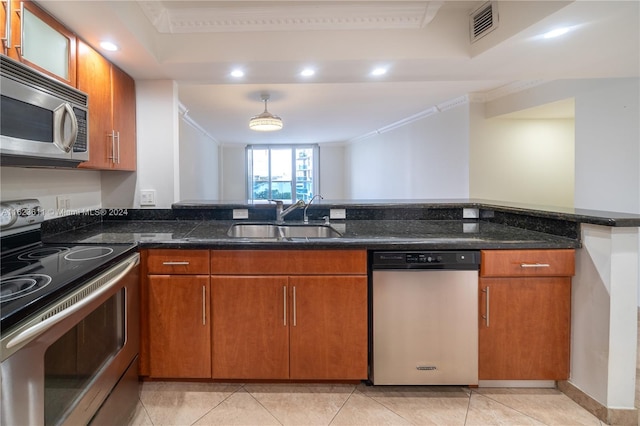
(369, 234)
(596, 217)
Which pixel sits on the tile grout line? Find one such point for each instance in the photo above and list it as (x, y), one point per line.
(512, 408)
(144, 406)
(466, 415)
(217, 405)
(262, 405)
(342, 406)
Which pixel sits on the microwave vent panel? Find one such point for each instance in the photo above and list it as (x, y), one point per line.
(19, 72)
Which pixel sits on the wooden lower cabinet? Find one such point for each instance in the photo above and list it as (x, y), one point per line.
(290, 327)
(328, 332)
(524, 328)
(179, 326)
(250, 328)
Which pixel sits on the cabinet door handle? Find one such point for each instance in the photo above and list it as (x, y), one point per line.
(118, 146)
(174, 263)
(7, 28)
(486, 315)
(284, 310)
(294, 306)
(535, 265)
(112, 157)
(204, 305)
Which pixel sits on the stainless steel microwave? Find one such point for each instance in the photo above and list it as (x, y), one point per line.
(43, 122)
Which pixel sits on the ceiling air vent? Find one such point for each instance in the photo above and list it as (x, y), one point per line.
(483, 20)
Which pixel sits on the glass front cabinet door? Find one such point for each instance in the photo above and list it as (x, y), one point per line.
(32, 36)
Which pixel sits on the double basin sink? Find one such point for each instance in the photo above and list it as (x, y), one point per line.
(281, 231)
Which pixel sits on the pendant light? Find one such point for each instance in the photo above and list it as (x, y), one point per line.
(265, 122)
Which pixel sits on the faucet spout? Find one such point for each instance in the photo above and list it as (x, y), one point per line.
(280, 213)
(305, 218)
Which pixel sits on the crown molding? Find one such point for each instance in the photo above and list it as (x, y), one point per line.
(507, 89)
(283, 16)
(476, 97)
(184, 111)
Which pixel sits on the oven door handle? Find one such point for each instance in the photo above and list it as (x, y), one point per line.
(43, 326)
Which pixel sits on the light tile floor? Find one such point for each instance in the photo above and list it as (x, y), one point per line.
(180, 403)
(183, 403)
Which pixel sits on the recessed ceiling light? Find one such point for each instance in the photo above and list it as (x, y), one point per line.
(379, 71)
(307, 72)
(107, 45)
(237, 73)
(556, 33)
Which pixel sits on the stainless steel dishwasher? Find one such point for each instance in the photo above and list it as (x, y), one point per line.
(424, 318)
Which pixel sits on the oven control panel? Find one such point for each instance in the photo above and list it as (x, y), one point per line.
(19, 213)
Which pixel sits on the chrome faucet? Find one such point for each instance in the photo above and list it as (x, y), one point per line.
(305, 217)
(280, 213)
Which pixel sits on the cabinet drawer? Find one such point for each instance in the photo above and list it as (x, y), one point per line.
(290, 262)
(527, 263)
(166, 262)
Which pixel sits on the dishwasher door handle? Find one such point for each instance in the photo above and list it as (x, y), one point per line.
(485, 317)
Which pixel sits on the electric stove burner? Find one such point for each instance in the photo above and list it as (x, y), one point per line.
(42, 252)
(15, 287)
(88, 253)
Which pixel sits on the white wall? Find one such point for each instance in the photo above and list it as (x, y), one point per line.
(332, 172)
(428, 158)
(81, 186)
(608, 146)
(158, 141)
(232, 173)
(199, 158)
(527, 161)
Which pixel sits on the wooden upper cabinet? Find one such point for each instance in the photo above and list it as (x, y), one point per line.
(112, 112)
(94, 78)
(123, 104)
(48, 46)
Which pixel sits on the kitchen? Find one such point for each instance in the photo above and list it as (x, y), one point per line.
(605, 109)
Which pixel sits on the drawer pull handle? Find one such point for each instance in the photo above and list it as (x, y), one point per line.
(535, 265)
(175, 263)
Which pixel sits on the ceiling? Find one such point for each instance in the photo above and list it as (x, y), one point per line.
(424, 44)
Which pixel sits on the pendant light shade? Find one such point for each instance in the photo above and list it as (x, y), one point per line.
(265, 122)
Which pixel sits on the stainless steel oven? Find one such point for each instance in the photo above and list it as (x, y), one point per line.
(69, 326)
(61, 365)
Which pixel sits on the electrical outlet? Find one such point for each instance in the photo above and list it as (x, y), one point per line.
(240, 213)
(337, 214)
(63, 202)
(148, 197)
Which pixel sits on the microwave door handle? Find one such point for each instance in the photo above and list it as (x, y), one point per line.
(60, 115)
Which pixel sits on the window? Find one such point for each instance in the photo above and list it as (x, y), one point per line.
(282, 172)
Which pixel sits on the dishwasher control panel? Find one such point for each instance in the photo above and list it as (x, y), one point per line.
(461, 260)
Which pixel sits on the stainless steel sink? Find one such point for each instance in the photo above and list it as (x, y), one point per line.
(269, 230)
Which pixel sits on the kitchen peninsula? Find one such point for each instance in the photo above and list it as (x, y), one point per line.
(604, 289)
